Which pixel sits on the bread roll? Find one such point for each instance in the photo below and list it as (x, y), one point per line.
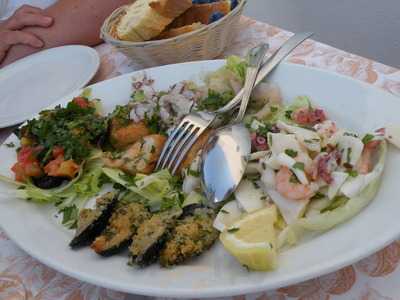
(171, 8)
(145, 19)
(179, 31)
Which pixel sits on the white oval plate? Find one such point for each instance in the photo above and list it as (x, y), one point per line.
(38, 80)
(353, 104)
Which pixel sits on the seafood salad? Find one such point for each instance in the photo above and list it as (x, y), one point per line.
(305, 173)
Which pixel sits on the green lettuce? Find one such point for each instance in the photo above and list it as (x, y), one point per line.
(238, 66)
(159, 190)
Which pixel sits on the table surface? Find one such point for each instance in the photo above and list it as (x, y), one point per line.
(374, 278)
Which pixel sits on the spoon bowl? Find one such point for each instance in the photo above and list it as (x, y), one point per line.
(224, 161)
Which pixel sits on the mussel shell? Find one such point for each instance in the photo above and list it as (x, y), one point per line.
(87, 236)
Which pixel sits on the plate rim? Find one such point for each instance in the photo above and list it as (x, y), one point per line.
(95, 65)
(351, 257)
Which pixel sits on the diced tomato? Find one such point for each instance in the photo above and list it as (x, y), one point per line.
(81, 102)
(57, 151)
(62, 168)
(27, 164)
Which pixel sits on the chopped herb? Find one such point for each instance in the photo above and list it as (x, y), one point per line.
(349, 150)
(138, 96)
(233, 230)
(263, 165)
(215, 100)
(74, 128)
(247, 268)
(350, 134)
(10, 145)
(367, 138)
(292, 153)
(274, 109)
(271, 246)
(352, 173)
(293, 179)
(311, 141)
(193, 173)
(288, 114)
(299, 166)
(318, 196)
(154, 122)
(224, 211)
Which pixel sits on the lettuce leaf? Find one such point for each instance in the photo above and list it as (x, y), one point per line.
(158, 189)
(238, 66)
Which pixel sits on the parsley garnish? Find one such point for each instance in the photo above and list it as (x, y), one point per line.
(73, 128)
(352, 173)
(288, 114)
(138, 96)
(224, 211)
(299, 166)
(350, 134)
(215, 100)
(193, 173)
(292, 153)
(233, 230)
(367, 138)
(274, 109)
(318, 196)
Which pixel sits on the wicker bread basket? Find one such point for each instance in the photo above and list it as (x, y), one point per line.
(205, 43)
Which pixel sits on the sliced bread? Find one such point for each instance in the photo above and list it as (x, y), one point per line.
(145, 19)
(171, 8)
(179, 31)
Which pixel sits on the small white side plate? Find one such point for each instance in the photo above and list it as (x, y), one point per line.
(36, 81)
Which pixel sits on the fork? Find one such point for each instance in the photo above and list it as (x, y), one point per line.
(185, 135)
(194, 124)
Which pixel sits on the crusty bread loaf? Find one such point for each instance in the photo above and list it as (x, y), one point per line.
(173, 32)
(145, 19)
(171, 8)
(201, 13)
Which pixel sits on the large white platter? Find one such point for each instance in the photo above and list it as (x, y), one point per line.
(353, 104)
(38, 80)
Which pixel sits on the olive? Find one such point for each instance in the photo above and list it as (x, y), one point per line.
(48, 182)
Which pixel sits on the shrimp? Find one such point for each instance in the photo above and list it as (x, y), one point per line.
(289, 189)
(364, 165)
(141, 157)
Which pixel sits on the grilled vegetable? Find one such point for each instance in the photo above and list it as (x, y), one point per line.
(123, 224)
(193, 235)
(151, 237)
(92, 222)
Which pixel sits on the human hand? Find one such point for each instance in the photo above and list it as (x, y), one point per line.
(11, 33)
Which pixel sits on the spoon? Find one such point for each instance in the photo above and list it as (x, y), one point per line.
(225, 156)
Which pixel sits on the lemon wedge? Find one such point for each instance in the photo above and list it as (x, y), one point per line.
(252, 240)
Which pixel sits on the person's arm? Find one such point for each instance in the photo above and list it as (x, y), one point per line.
(75, 22)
